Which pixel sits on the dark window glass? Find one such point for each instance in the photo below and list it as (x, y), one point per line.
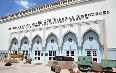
(38, 58)
(15, 52)
(38, 53)
(50, 58)
(94, 59)
(52, 41)
(54, 53)
(26, 52)
(15, 43)
(72, 53)
(35, 52)
(90, 38)
(53, 58)
(25, 42)
(88, 53)
(50, 53)
(37, 42)
(67, 53)
(70, 40)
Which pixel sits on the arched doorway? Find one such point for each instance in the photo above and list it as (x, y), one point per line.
(14, 46)
(25, 47)
(37, 48)
(70, 46)
(92, 46)
(51, 47)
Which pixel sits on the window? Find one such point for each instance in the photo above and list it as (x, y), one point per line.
(94, 53)
(67, 53)
(37, 55)
(25, 42)
(26, 52)
(37, 42)
(52, 55)
(15, 43)
(90, 38)
(15, 52)
(88, 53)
(52, 41)
(72, 53)
(35, 52)
(70, 40)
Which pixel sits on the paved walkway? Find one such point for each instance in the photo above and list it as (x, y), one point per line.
(27, 68)
(30, 68)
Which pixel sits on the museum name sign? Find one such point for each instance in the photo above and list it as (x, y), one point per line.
(60, 20)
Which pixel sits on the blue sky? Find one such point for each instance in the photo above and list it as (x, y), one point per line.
(12, 6)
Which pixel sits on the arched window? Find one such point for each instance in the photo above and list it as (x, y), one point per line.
(25, 42)
(37, 42)
(52, 41)
(15, 43)
(90, 38)
(70, 39)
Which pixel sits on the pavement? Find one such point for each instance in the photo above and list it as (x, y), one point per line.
(41, 67)
(34, 67)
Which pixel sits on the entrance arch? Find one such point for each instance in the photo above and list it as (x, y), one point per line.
(70, 46)
(51, 47)
(37, 48)
(25, 47)
(14, 46)
(92, 46)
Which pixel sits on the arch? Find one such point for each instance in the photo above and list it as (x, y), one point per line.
(24, 37)
(22, 41)
(33, 40)
(50, 35)
(70, 45)
(37, 35)
(14, 38)
(91, 43)
(11, 43)
(90, 29)
(68, 32)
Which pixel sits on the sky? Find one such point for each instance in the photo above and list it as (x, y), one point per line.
(8, 7)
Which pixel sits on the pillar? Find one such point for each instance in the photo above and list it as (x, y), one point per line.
(103, 38)
(43, 43)
(19, 42)
(60, 41)
(79, 40)
(30, 44)
(9, 51)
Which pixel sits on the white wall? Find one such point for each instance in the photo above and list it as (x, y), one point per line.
(73, 10)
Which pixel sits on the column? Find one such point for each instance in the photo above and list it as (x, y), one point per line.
(43, 43)
(79, 40)
(9, 51)
(60, 41)
(30, 44)
(19, 42)
(102, 37)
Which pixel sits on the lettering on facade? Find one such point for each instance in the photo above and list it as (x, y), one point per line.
(60, 20)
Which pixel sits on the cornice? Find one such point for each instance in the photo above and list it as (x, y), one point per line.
(42, 8)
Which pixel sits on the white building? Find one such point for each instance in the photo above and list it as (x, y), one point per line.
(65, 28)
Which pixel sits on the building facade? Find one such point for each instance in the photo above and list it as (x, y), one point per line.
(62, 28)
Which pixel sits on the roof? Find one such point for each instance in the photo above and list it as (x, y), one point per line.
(45, 7)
